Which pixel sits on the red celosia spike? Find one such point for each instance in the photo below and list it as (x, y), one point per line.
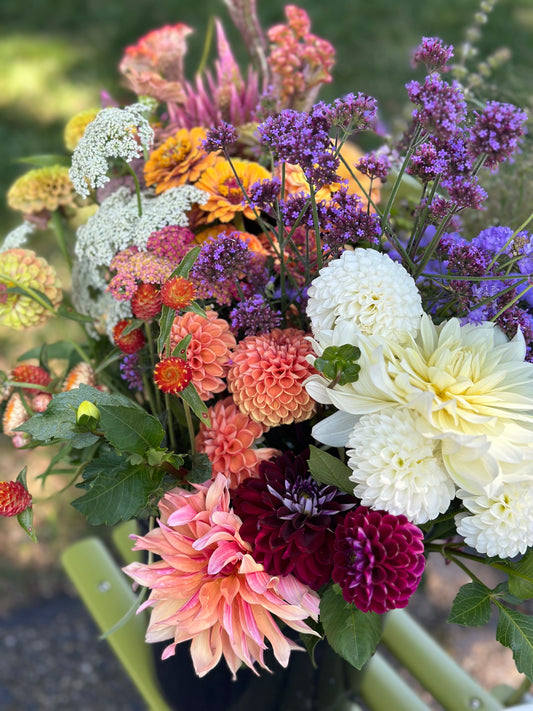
(132, 341)
(14, 498)
(146, 302)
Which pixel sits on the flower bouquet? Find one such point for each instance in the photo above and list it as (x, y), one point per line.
(298, 368)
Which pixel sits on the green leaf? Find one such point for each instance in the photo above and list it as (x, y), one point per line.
(187, 263)
(351, 633)
(515, 630)
(195, 402)
(61, 350)
(25, 519)
(165, 324)
(72, 314)
(521, 577)
(471, 606)
(129, 428)
(328, 469)
(181, 349)
(44, 160)
(115, 491)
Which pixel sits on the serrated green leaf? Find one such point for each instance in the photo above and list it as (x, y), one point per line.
(117, 491)
(195, 402)
(201, 468)
(515, 630)
(328, 469)
(521, 577)
(351, 633)
(129, 428)
(471, 606)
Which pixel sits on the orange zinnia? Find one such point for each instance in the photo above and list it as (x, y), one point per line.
(179, 160)
(226, 198)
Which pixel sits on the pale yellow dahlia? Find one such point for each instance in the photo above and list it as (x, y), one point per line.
(267, 375)
(75, 127)
(42, 189)
(22, 268)
(225, 196)
(179, 160)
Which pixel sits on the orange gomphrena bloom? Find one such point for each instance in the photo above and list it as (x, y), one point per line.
(209, 350)
(226, 199)
(177, 293)
(267, 377)
(179, 160)
(14, 498)
(172, 375)
(230, 440)
(206, 586)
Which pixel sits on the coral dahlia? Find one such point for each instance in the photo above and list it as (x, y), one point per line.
(208, 352)
(266, 377)
(208, 588)
(289, 519)
(379, 559)
(230, 440)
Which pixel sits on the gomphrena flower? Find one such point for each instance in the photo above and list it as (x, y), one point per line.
(396, 469)
(29, 373)
(14, 498)
(75, 127)
(369, 290)
(230, 442)
(47, 188)
(267, 374)
(289, 519)
(225, 194)
(379, 559)
(24, 269)
(181, 159)
(208, 588)
(130, 342)
(146, 301)
(114, 133)
(208, 353)
(172, 375)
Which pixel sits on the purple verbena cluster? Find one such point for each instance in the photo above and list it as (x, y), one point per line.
(253, 315)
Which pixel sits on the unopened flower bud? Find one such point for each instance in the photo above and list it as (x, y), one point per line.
(87, 415)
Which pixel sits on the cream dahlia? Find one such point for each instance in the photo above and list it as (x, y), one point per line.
(230, 442)
(369, 290)
(208, 588)
(396, 469)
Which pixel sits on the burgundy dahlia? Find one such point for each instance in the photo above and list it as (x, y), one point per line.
(289, 519)
(379, 559)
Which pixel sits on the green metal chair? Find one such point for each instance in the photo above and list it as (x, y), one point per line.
(107, 594)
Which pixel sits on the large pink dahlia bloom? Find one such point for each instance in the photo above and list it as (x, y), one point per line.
(207, 587)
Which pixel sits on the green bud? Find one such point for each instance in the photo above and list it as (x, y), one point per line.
(87, 415)
(338, 364)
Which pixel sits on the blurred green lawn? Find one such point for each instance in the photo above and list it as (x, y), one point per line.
(56, 57)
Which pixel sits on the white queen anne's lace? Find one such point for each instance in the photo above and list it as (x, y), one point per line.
(114, 133)
(18, 236)
(369, 290)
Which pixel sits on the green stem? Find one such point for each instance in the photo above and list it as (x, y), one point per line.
(151, 349)
(170, 424)
(190, 427)
(32, 293)
(137, 187)
(57, 226)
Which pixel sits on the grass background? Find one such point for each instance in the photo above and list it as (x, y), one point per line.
(56, 57)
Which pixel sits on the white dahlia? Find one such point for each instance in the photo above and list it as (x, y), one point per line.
(500, 524)
(396, 469)
(369, 290)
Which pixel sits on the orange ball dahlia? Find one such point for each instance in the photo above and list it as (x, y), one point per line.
(22, 268)
(229, 442)
(226, 198)
(207, 588)
(208, 352)
(267, 377)
(179, 160)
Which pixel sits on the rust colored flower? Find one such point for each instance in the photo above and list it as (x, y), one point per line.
(267, 375)
(177, 293)
(179, 160)
(146, 301)
(172, 375)
(226, 198)
(130, 342)
(75, 127)
(154, 66)
(22, 268)
(230, 440)
(28, 373)
(208, 352)
(81, 374)
(42, 189)
(14, 498)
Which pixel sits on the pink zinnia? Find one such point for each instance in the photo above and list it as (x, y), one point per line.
(207, 587)
(378, 560)
(229, 442)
